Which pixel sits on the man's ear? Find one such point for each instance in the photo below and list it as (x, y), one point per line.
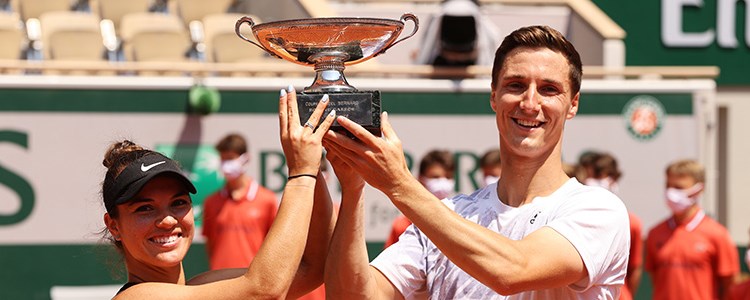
(492, 100)
(111, 223)
(573, 106)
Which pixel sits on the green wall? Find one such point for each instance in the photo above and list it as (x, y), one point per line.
(641, 20)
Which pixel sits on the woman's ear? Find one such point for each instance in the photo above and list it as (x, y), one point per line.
(112, 226)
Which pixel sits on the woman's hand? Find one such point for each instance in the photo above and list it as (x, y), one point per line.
(302, 144)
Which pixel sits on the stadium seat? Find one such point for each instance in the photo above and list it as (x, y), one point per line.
(35, 8)
(154, 37)
(71, 36)
(197, 10)
(12, 35)
(114, 10)
(222, 43)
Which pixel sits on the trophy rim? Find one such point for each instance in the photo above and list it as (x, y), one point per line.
(328, 20)
(335, 21)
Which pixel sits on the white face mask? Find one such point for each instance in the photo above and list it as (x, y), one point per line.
(440, 187)
(234, 168)
(489, 179)
(606, 183)
(680, 200)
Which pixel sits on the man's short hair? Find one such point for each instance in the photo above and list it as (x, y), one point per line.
(232, 143)
(442, 158)
(605, 165)
(687, 167)
(540, 37)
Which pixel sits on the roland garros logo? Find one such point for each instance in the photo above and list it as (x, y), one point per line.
(644, 117)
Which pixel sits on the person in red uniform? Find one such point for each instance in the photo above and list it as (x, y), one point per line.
(436, 174)
(237, 217)
(605, 173)
(689, 255)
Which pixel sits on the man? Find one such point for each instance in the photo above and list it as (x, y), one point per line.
(436, 171)
(491, 166)
(606, 174)
(689, 255)
(535, 234)
(237, 217)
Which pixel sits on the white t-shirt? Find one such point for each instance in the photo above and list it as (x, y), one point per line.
(594, 220)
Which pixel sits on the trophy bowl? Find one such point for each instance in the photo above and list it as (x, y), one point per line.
(328, 45)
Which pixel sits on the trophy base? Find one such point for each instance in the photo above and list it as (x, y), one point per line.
(362, 107)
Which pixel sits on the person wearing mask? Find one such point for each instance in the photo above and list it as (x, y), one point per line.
(236, 219)
(149, 220)
(436, 171)
(605, 174)
(689, 255)
(491, 166)
(536, 234)
(585, 166)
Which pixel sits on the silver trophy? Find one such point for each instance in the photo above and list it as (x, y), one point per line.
(330, 44)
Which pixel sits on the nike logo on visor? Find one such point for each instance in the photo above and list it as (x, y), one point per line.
(145, 168)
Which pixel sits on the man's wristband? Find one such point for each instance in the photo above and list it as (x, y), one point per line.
(301, 175)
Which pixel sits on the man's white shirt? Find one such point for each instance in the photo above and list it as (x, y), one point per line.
(594, 220)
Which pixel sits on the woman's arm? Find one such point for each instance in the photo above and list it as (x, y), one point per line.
(310, 273)
(275, 266)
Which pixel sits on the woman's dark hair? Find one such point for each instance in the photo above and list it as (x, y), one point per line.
(117, 157)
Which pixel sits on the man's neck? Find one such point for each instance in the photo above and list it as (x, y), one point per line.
(527, 179)
(238, 184)
(686, 215)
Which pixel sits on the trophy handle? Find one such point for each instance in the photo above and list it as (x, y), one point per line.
(250, 21)
(405, 17)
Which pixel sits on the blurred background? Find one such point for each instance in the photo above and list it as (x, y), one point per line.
(172, 75)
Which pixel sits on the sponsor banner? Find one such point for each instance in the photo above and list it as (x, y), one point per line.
(52, 141)
(53, 138)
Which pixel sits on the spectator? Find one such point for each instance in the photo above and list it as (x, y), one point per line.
(606, 174)
(585, 167)
(491, 167)
(436, 171)
(237, 217)
(689, 255)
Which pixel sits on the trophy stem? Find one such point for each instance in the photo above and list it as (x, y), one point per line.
(329, 73)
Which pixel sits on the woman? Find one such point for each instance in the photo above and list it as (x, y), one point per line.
(149, 215)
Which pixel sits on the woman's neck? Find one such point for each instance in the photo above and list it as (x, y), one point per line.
(145, 273)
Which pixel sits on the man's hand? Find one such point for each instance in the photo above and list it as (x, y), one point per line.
(379, 161)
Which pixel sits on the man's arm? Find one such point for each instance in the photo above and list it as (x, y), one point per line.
(544, 259)
(348, 272)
